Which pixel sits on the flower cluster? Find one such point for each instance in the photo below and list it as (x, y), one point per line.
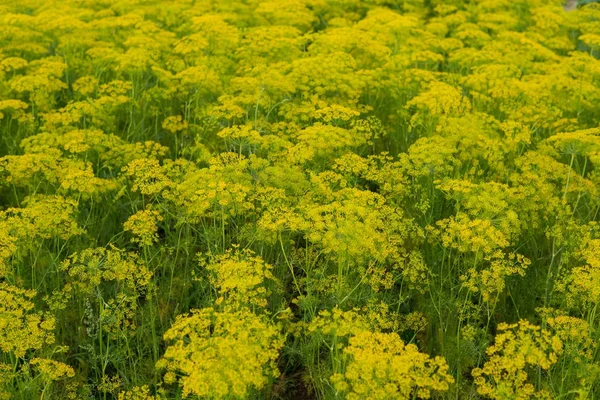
(381, 366)
(22, 328)
(143, 226)
(221, 354)
(241, 279)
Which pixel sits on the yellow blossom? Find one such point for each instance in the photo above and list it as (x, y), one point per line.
(381, 366)
(21, 327)
(143, 226)
(221, 354)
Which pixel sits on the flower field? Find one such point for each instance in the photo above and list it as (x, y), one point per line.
(299, 199)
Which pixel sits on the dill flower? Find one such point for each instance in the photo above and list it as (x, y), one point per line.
(241, 136)
(221, 190)
(381, 366)
(329, 75)
(287, 13)
(338, 322)
(44, 216)
(147, 176)
(143, 226)
(241, 278)
(591, 40)
(6, 376)
(46, 163)
(221, 354)
(8, 247)
(27, 169)
(82, 142)
(576, 335)
(471, 234)
(333, 137)
(52, 370)
(121, 155)
(440, 99)
(175, 124)
(372, 317)
(322, 141)
(581, 285)
(137, 393)
(42, 81)
(89, 267)
(351, 226)
(85, 85)
(78, 177)
(90, 273)
(14, 107)
(517, 349)
(489, 280)
(21, 328)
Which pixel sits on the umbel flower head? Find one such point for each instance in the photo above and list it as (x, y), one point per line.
(21, 328)
(517, 348)
(582, 284)
(241, 278)
(117, 277)
(221, 354)
(51, 370)
(381, 366)
(143, 226)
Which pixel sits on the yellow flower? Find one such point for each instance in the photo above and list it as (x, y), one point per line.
(241, 279)
(147, 176)
(517, 348)
(287, 13)
(137, 393)
(21, 328)
(489, 279)
(582, 284)
(221, 355)
(52, 370)
(471, 235)
(15, 107)
(175, 124)
(92, 269)
(143, 226)
(439, 100)
(6, 376)
(45, 217)
(381, 366)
